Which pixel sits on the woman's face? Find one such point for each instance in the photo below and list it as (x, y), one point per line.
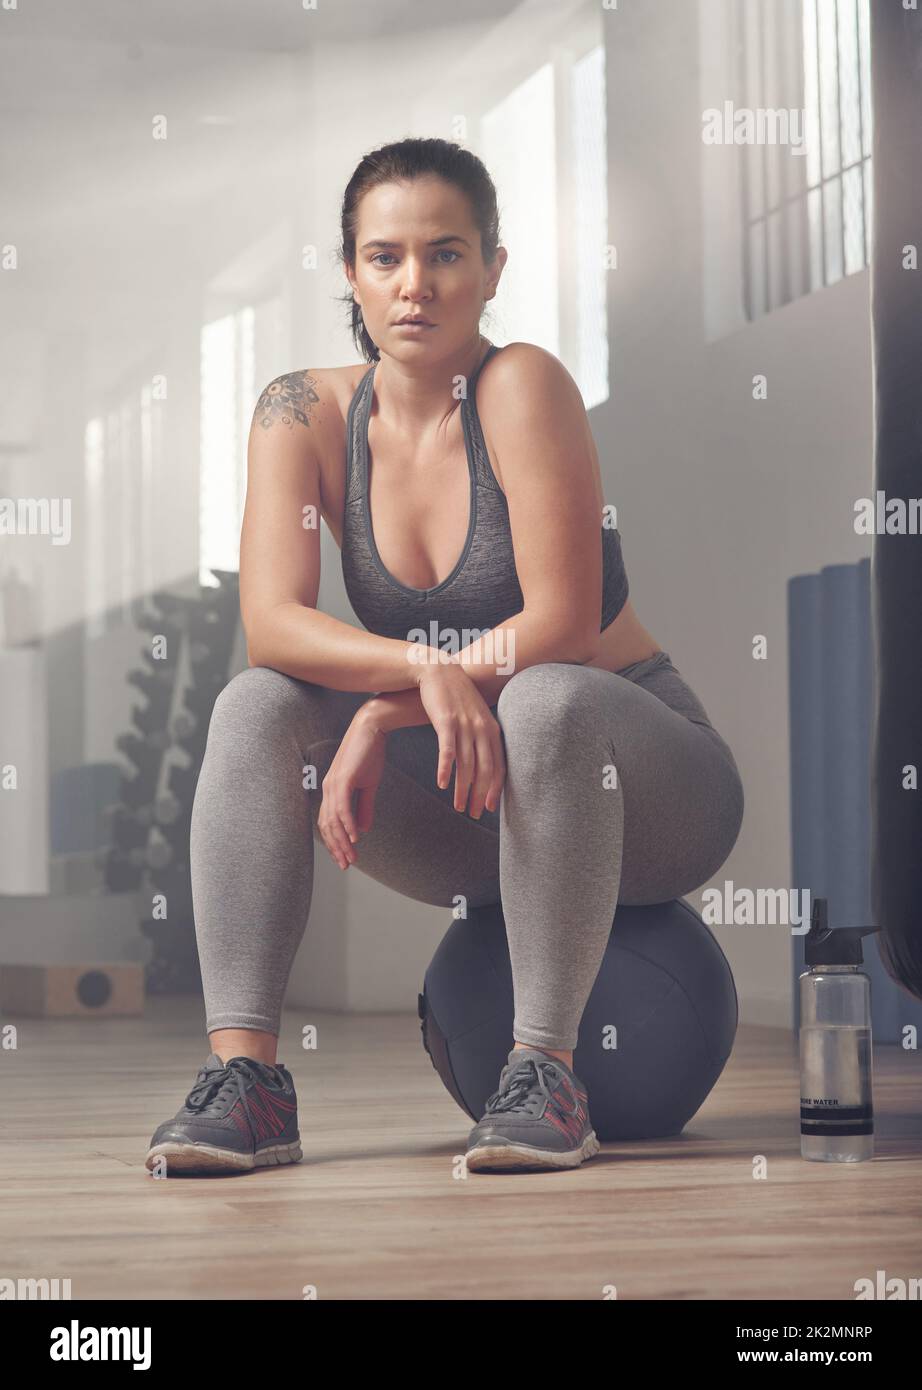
(447, 283)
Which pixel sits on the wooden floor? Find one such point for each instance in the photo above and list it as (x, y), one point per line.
(374, 1209)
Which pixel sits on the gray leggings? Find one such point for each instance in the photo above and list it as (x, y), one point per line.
(617, 789)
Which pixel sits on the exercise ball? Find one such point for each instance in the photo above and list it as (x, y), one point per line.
(655, 1034)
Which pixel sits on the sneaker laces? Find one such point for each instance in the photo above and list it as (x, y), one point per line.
(215, 1089)
(517, 1091)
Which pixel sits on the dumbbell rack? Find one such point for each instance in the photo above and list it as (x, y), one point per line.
(185, 666)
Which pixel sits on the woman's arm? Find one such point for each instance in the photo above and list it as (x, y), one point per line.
(525, 634)
(293, 422)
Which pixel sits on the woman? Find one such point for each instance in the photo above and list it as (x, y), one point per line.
(504, 730)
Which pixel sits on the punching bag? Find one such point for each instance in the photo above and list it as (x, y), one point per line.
(896, 559)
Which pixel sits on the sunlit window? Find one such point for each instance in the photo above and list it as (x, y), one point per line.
(518, 147)
(122, 448)
(545, 147)
(95, 553)
(806, 217)
(589, 162)
(228, 394)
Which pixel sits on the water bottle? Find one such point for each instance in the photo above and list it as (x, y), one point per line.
(836, 1106)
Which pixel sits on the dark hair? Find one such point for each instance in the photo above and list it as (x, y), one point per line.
(412, 159)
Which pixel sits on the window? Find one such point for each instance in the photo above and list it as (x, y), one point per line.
(241, 351)
(94, 463)
(518, 148)
(122, 449)
(228, 395)
(545, 147)
(589, 163)
(806, 217)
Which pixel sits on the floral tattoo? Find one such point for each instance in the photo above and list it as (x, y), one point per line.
(287, 399)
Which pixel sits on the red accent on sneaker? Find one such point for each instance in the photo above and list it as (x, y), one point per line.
(566, 1118)
(265, 1110)
(265, 1106)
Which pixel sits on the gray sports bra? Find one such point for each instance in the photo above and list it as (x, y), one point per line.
(483, 588)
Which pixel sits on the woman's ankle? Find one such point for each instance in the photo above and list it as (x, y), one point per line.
(561, 1055)
(244, 1042)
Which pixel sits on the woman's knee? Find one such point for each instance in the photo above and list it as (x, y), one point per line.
(261, 702)
(548, 702)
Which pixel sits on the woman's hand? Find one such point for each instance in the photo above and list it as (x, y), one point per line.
(469, 736)
(357, 768)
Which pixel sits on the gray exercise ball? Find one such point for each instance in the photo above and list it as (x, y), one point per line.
(655, 1035)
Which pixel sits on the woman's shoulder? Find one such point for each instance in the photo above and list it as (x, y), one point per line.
(306, 411)
(526, 368)
(315, 397)
(536, 382)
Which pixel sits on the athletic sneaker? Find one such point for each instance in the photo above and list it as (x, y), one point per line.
(539, 1117)
(239, 1115)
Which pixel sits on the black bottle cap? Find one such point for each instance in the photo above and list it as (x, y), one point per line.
(825, 945)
